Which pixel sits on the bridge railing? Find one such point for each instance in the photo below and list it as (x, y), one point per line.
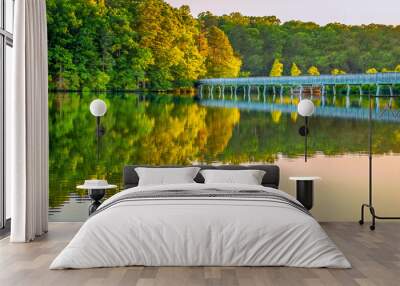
(347, 79)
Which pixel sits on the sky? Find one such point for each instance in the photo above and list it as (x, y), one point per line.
(352, 12)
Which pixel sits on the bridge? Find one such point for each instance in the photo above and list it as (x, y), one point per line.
(299, 82)
(380, 114)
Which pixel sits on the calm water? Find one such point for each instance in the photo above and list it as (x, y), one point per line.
(163, 129)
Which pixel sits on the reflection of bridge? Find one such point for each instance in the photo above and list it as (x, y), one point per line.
(347, 112)
(322, 81)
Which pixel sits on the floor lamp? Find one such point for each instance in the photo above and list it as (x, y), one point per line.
(370, 205)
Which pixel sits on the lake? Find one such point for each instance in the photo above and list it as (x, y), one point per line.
(160, 129)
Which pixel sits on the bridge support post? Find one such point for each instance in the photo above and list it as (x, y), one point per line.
(348, 90)
(211, 91)
(323, 90)
(219, 91)
(235, 88)
(249, 93)
(301, 91)
(273, 90)
(334, 90)
(378, 89)
(231, 92)
(264, 92)
(244, 92)
(258, 92)
(347, 101)
(201, 91)
(223, 92)
(391, 91)
(360, 89)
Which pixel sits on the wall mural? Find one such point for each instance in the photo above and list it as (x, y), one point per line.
(143, 59)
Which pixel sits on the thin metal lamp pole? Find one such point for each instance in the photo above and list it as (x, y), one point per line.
(370, 154)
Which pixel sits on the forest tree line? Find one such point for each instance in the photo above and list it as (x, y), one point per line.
(131, 44)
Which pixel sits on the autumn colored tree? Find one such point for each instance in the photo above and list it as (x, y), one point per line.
(313, 70)
(337, 72)
(277, 68)
(221, 60)
(294, 70)
(397, 68)
(371, 70)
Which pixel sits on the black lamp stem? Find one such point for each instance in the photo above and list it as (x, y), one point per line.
(98, 137)
(305, 138)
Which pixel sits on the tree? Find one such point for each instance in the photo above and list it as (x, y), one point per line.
(277, 68)
(350, 48)
(117, 44)
(397, 69)
(113, 45)
(221, 60)
(371, 70)
(294, 70)
(313, 70)
(337, 72)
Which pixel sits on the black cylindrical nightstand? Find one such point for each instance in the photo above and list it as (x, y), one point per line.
(305, 190)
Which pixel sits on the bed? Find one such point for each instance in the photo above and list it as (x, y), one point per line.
(198, 224)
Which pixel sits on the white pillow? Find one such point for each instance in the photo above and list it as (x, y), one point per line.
(248, 177)
(166, 176)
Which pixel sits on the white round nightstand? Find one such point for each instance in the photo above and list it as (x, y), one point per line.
(96, 193)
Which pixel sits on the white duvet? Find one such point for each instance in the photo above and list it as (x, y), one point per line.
(203, 232)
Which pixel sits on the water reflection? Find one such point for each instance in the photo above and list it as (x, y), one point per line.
(162, 129)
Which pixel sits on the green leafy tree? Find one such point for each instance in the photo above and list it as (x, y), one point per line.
(277, 68)
(294, 70)
(259, 40)
(119, 44)
(313, 70)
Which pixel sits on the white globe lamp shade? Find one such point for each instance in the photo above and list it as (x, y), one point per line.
(98, 107)
(305, 107)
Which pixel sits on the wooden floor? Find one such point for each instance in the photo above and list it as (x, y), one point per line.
(375, 257)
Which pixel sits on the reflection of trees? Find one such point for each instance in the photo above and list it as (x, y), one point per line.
(72, 140)
(260, 139)
(171, 130)
(163, 130)
(220, 123)
(174, 138)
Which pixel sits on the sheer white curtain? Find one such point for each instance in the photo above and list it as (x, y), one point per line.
(28, 123)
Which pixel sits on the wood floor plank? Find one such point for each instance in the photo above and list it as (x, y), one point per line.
(375, 257)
